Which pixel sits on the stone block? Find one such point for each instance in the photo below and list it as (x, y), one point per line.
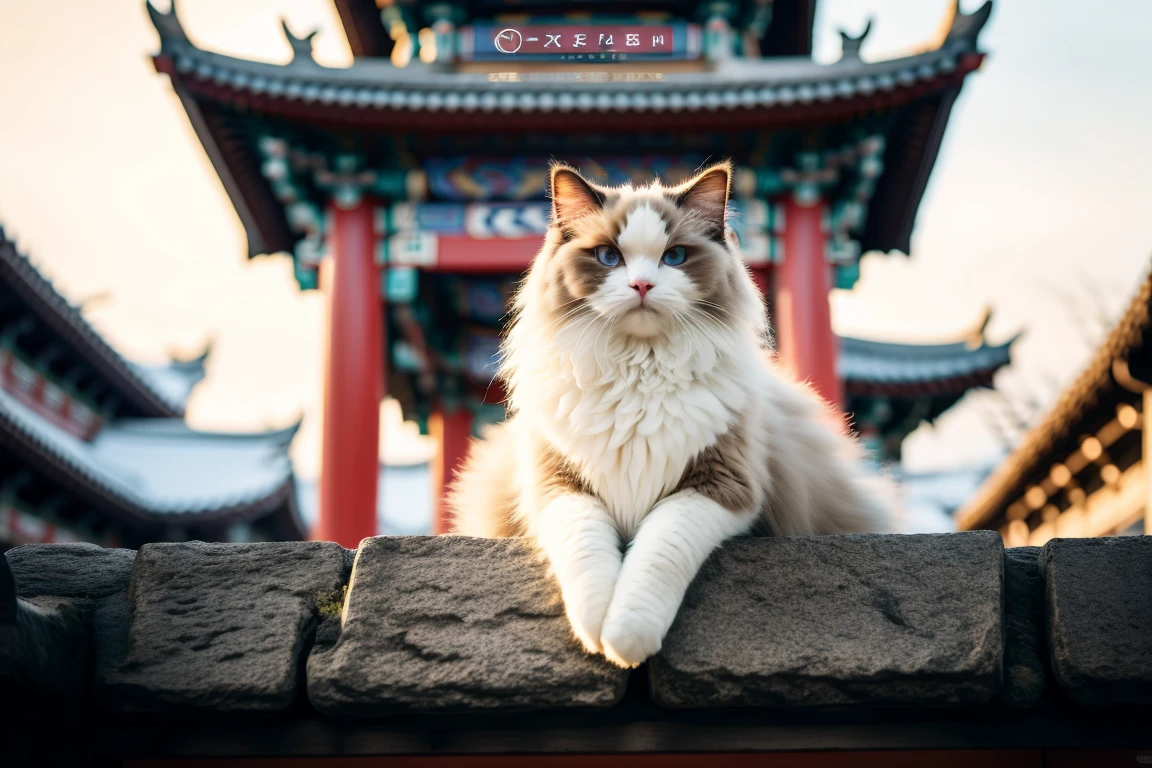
(220, 629)
(1098, 595)
(43, 650)
(455, 623)
(70, 570)
(82, 593)
(826, 621)
(1025, 647)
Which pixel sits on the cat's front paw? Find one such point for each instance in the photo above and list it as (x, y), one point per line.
(586, 615)
(629, 638)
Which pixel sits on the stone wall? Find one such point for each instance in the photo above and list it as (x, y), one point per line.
(410, 625)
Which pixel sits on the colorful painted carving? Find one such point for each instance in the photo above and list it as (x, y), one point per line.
(519, 178)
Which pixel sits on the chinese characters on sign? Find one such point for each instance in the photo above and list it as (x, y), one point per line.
(580, 43)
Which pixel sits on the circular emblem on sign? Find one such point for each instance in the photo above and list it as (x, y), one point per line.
(508, 41)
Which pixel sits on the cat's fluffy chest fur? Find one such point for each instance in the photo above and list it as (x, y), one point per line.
(631, 414)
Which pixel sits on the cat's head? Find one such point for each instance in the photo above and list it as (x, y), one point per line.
(648, 261)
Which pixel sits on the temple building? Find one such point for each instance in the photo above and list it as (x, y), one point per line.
(419, 171)
(1083, 470)
(94, 447)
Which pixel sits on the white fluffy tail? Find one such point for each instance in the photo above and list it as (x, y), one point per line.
(481, 498)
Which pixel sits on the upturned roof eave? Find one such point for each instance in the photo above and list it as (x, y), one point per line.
(1060, 422)
(359, 84)
(877, 365)
(373, 95)
(66, 320)
(373, 84)
(48, 450)
(133, 513)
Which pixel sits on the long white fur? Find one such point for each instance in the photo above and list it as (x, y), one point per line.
(629, 407)
(579, 538)
(676, 538)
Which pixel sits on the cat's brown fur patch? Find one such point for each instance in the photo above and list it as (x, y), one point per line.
(557, 474)
(721, 473)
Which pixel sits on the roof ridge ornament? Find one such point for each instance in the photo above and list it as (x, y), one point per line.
(167, 24)
(976, 336)
(850, 46)
(301, 46)
(964, 27)
(177, 358)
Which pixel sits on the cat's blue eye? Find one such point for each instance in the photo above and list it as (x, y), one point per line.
(674, 257)
(607, 255)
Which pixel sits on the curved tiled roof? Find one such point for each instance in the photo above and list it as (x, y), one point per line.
(132, 381)
(1035, 450)
(872, 366)
(375, 88)
(230, 101)
(153, 470)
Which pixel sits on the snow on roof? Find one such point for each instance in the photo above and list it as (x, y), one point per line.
(174, 380)
(887, 362)
(162, 465)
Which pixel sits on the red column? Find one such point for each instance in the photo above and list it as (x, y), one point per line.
(450, 430)
(353, 381)
(807, 347)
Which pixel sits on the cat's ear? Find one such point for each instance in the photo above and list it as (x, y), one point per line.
(707, 196)
(572, 195)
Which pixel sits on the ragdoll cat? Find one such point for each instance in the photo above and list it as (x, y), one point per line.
(645, 409)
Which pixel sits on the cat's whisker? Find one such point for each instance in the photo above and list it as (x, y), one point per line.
(716, 306)
(573, 311)
(591, 321)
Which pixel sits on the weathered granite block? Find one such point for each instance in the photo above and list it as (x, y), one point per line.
(85, 587)
(838, 620)
(221, 628)
(1025, 649)
(453, 623)
(70, 570)
(43, 649)
(1099, 611)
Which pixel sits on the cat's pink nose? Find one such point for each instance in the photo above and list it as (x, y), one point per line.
(642, 287)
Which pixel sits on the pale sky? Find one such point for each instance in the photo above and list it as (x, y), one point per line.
(1043, 191)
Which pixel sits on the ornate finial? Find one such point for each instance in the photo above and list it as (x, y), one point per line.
(206, 351)
(167, 24)
(850, 46)
(975, 336)
(195, 359)
(301, 46)
(966, 26)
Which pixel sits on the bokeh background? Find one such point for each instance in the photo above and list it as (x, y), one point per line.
(1038, 207)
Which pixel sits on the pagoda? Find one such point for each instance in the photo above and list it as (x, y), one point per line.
(94, 447)
(419, 171)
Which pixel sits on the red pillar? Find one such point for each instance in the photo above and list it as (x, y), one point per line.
(807, 346)
(450, 430)
(353, 381)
